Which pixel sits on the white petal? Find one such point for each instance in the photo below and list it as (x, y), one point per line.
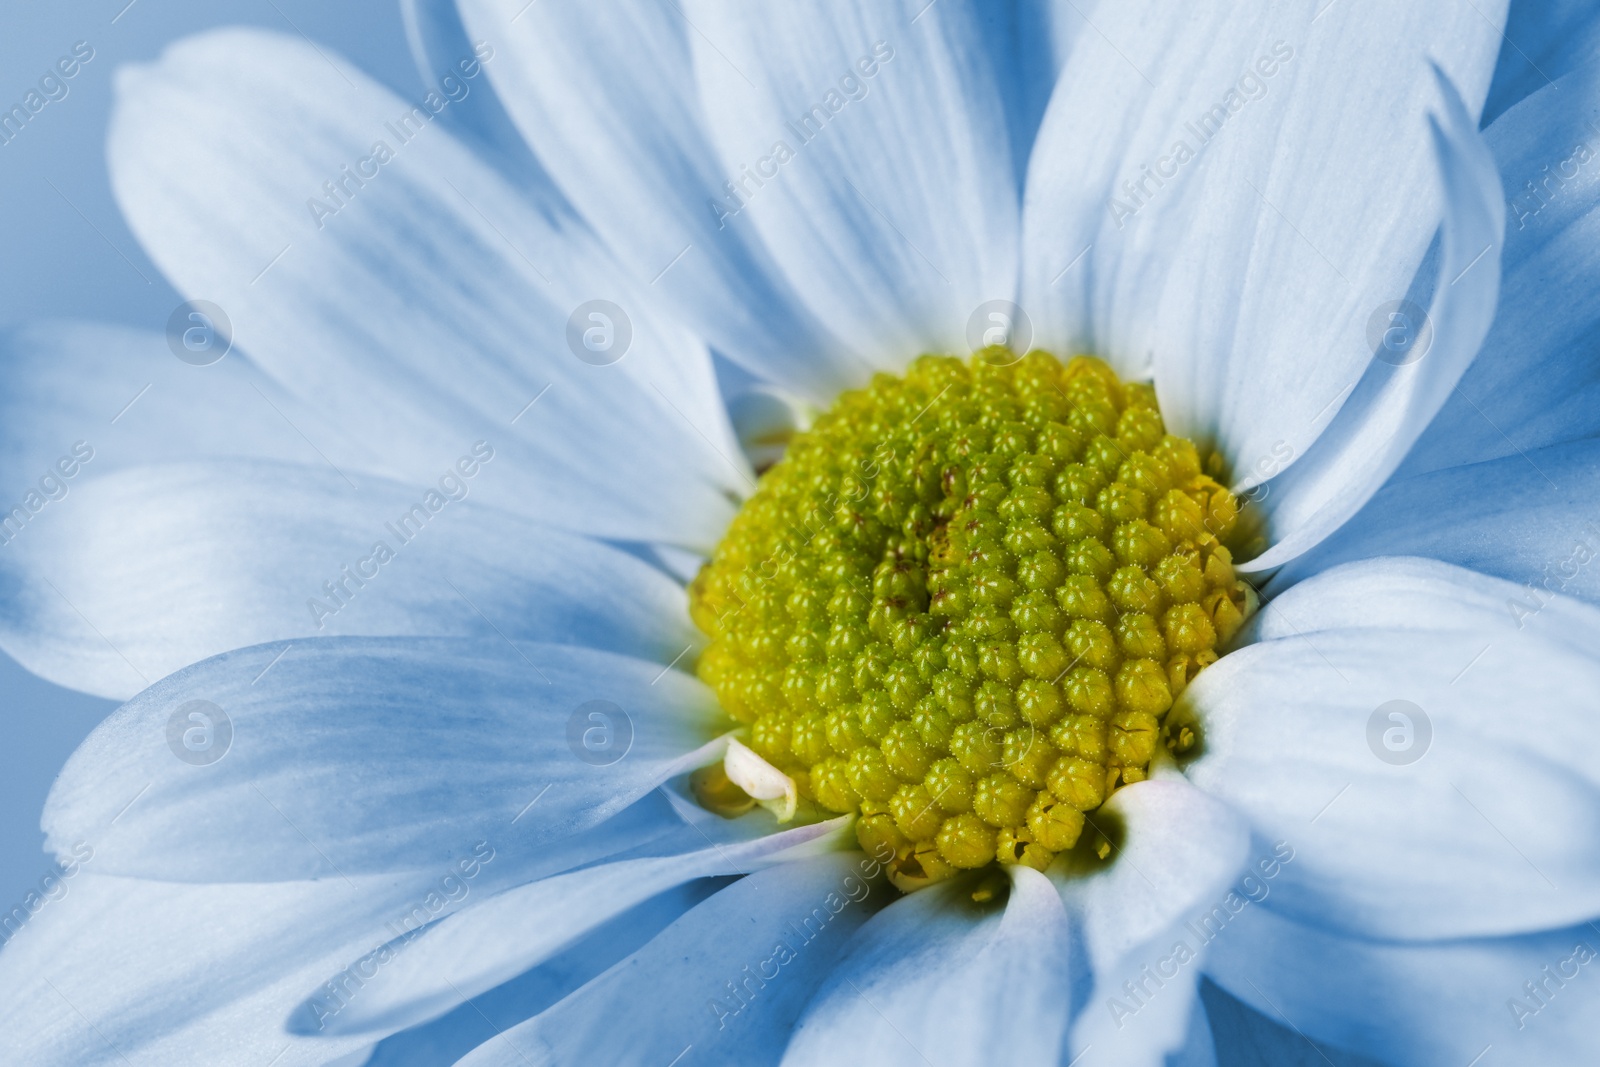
(477, 949)
(1428, 1002)
(450, 63)
(765, 420)
(727, 980)
(123, 970)
(479, 1019)
(129, 401)
(936, 978)
(1027, 44)
(1392, 405)
(1244, 282)
(775, 790)
(1179, 851)
(1535, 383)
(372, 754)
(1523, 518)
(140, 573)
(897, 217)
(433, 309)
(1494, 825)
(605, 94)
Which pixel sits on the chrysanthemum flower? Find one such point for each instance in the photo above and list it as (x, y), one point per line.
(1113, 567)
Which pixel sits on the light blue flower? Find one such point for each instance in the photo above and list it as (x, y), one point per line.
(355, 790)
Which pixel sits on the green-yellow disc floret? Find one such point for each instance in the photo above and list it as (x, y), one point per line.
(963, 601)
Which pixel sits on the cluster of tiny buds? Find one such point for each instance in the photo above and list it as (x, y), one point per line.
(964, 601)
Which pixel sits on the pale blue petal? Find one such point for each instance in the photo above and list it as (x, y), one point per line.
(444, 55)
(1392, 405)
(1419, 1002)
(164, 973)
(477, 949)
(433, 309)
(1179, 851)
(481, 1018)
(158, 567)
(1245, 281)
(1493, 827)
(1027, 41)
(123, 970)
(606, 96)
(1526, 518)
(937, 978)
(766, 419)
(898, 217)
(113, 969)
(351, 755)
(1537, 380)
(727, 981)
(130, 401)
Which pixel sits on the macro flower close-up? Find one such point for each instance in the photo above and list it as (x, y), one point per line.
(677, 532)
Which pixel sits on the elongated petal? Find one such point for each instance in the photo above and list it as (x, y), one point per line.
(1420, 1002)
(455, 66)
(1241, 269)
(1027, 44)
(726, 981)
(371, 754)
(1523, 518)
(1392, 405)
(115, 970)
(477, 949)
(226, 157)
(1535, 383)
(1146, 918)
(606, 96)
(1393, 724)
(893, 221)
(147, 570)
(126, 400)
(123, 970)
(935, 977)
(484, 1016)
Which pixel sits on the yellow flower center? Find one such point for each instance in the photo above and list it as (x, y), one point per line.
(963, 601)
